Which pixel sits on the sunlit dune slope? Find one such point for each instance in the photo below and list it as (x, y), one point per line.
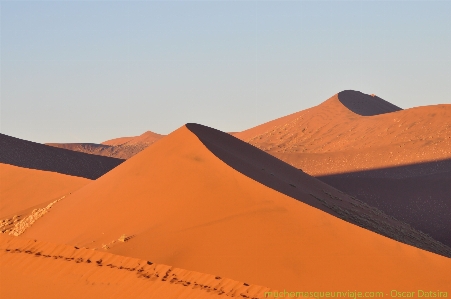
(33, 155)
(179, 204)
(122, 148)
(31, 269)
(349, 142)
(23, 188)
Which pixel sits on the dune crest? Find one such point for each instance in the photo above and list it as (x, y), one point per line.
(365, 105)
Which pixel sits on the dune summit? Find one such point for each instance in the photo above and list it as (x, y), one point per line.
(33, 155)
(179, 202)
(365, 105)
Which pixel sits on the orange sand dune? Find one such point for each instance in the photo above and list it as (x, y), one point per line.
(122, 148)
(409, 136)
(23, 153)
(31, 269)
(23, 188)
(179, 204)
(396, 160)
(145, 138)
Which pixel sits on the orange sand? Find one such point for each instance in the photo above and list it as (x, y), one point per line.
(330, 138)
(145, 138)
(23, 188)
(183, 206)
(32, 269)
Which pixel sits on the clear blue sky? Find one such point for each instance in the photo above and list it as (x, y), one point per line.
(88, 71)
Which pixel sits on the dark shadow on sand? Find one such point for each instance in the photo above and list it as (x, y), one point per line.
(419, 194)
(365, 105)
(22, 153)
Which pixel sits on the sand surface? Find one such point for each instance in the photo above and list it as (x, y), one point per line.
(22, 189)
(30, 269)
(177, 203)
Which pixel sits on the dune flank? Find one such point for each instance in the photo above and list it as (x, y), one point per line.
(178, 203)
(22, 189)
(18, 152)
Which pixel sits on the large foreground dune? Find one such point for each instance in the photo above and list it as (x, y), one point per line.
(18, 152)
(199, 201)
(396, 160)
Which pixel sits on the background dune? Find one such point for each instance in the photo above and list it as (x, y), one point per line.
(397, 161)
(179, 204)
(122, 148)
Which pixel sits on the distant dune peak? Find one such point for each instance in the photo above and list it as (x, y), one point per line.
(364, 104)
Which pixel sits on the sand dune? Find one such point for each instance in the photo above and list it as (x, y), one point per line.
(121, 148)
(145, 138)
(30, 270)
(28, 154)
(179, 203)
(409, 136)
(22, 189)
(380, 159)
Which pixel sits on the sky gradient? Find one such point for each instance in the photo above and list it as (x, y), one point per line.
(88, 71)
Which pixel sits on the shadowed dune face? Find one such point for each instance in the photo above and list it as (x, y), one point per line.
(23, 188)
(417, 194)
(365, 105)
(28, 154)
(182, 205)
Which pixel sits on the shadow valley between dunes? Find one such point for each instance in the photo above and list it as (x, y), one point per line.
(418, 194)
